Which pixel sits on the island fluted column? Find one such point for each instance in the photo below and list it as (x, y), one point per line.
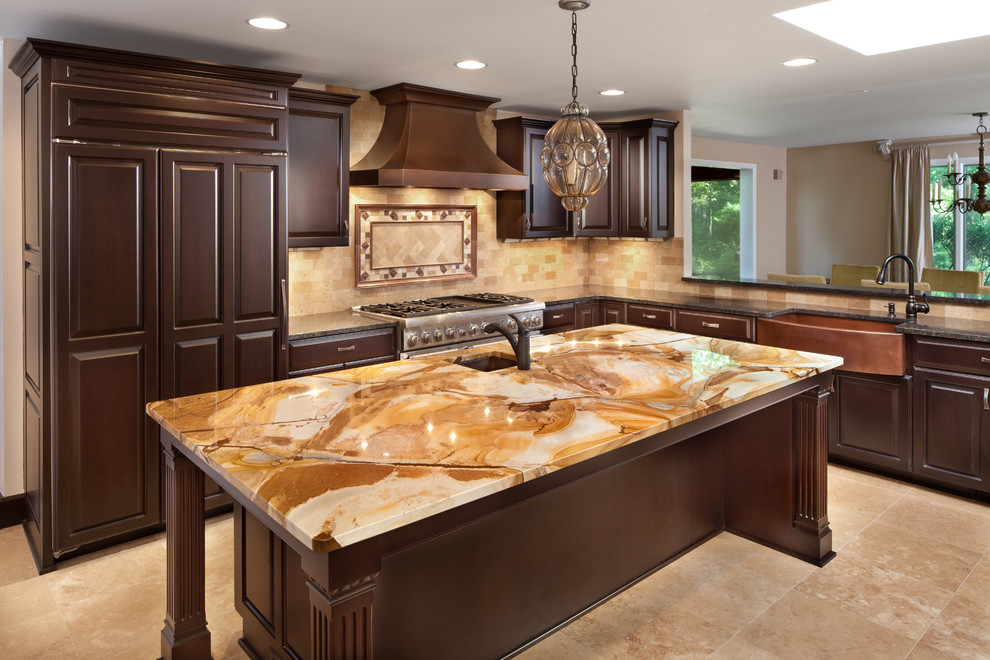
(185, 635)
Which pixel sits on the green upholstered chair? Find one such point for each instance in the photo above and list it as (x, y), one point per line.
(787, 277)
(918, 286)
(956, 281)
(851, 275)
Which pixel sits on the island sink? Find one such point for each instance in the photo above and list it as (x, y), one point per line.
(865, 345)
(486, 363)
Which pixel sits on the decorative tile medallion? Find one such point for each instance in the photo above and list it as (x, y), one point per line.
(412, 243)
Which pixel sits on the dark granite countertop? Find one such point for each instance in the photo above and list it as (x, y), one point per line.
(333, 323)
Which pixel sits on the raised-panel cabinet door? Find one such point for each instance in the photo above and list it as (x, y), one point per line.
(224, 258)
(871, 420)
(546, 216)
(105, 262)
(952, 429)
(601, 216)
(634, 203)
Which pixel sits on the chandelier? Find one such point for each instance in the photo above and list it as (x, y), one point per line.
(976, 200)
(575, 154)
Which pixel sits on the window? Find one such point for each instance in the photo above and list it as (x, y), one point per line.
(722, 233)
(959, 241)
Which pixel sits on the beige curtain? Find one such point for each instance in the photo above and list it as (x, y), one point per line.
(910, 210)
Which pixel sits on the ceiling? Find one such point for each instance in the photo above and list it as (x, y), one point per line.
(720, 59)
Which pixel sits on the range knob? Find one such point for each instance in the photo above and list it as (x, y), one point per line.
(413, 340)
(474, 330)
(534, 321)
(461, 332)
(511, 324)
(449, 332)
(438, 335)
(426, 337)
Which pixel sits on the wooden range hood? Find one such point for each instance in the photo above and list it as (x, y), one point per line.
(431, 139)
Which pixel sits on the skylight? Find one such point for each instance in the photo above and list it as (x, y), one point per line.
(884, 26)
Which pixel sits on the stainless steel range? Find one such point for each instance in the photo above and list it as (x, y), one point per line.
(449, 322)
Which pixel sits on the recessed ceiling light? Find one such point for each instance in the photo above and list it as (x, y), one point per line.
(611, 92)
(871, 27)
(267, 23)
(471, 64)
(800, 61)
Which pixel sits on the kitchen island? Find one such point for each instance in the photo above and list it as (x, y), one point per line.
(423, 508)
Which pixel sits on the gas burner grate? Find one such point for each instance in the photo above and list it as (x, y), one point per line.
(506, 298)
(410, 308)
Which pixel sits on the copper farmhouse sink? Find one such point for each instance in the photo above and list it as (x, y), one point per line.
(867, 346)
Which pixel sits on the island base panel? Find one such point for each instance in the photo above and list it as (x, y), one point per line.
(493, 586)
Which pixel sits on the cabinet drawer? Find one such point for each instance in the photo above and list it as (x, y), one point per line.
(962, 355)
(724, 326)
(650, 317)
(556, 317)
(308, 354)
(145, 118)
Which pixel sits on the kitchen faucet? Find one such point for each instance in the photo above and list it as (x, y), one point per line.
(519, 345)
(913, 306)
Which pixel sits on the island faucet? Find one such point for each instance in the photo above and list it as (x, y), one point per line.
(914, 306)
(519, 345)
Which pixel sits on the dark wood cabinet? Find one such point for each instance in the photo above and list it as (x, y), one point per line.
(223, 237)
(535, 212)
(316, 355)
(711, 324)
(637, 201)
(601, 216)
(952, 413)
(650, 316)
(155, 250)
(870, 420)
(613, 312)
(319, 162)
(952, 430)
(558, 318)
(587, 315)
(104, 269)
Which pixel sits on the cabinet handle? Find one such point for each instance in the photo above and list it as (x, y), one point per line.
(650, 316)
(985, 360)
(285, 314)
(986, 398)
(706, 324)
(554, 317)
(344, 349)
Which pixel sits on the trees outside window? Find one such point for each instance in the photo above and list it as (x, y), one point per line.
(959, 241)
(715, 235)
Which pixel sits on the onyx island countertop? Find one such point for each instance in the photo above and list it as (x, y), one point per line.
(331, 323)
(338, 458)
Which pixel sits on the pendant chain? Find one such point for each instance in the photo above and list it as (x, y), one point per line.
(574, 70)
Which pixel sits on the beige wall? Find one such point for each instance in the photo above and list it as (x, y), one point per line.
(838, 207)
(11, 332)
(771, 196)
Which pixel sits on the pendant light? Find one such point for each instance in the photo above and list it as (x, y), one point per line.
(575, 154)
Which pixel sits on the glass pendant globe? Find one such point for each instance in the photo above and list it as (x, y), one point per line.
(575, 157)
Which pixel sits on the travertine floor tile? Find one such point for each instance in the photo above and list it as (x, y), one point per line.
(25, 600)
(962, 629)
(16, 563)
(923, 558)
(738, 648)
(976, 587)
(40, 638)
(879, 480)
(557, 647)
(885, 597)
(735, 551)
(859, 497)
(923, 515)
(803, 626)
(845, 525)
